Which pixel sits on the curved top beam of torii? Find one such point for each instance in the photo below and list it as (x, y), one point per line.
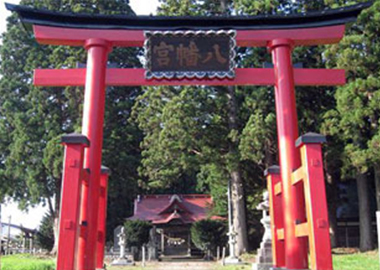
(328, 17)
(305, 29)
(73, 29)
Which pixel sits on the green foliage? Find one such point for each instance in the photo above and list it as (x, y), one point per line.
(26, 262)
(193, 8)
(179, 140)
(137, 232)
(356, 116)
(208, 234)
(45, 234)
(184, 137)
(354, 121)
(187, 134)
(32, 120)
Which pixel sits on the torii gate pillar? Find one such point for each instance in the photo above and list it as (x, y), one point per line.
(289, 156)
(92, 127)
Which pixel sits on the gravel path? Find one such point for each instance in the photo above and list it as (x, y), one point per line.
(184, 266)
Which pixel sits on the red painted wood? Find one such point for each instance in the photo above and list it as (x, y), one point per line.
(316, 207)
(77, 37)
(289, 156)
(135, 38)
(277, 220)
(135, 77)
(81, 257)
(102, 216)
(92, 127)
(282, 76)
(300, 37)
(70, 206)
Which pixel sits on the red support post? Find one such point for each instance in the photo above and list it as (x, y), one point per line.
(70, 200)
(92, 127)
(316, 201)
(276, 215)
(287, 129)
(102, 215)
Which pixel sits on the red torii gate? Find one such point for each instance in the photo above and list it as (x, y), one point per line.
(297, 194)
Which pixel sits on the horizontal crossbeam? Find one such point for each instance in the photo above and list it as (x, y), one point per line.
(136, 77)
(277, 189)
(280, 234)
(298, 175)
(135, 38)
(302, 229)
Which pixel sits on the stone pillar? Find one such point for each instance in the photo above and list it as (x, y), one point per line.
(152, 245)
(162, 242)
(232, 258)
(122, 260)
(31, 244)
(264, 260)
(189, 244)
(23, 242)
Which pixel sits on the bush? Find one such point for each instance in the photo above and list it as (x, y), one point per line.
(45, 234)
(208, 234)
(137, 232)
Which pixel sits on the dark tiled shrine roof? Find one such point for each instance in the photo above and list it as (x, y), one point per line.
(329, 17)
(162, 209)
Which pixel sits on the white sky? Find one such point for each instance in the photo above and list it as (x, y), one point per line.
(32, 219)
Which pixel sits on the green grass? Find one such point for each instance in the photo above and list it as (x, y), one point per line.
(26, 262)
(357, 261)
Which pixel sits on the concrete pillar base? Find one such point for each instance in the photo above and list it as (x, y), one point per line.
(122, 262)
(263, 266)
(232, 261)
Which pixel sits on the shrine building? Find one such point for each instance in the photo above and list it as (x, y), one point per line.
(172, 217)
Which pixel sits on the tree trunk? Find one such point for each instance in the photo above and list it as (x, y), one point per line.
(239, 215)
(377, 184)
(366, 239)
(238, 198)
(268, 155)
(54, 211)
(332, 195)
(56, 235)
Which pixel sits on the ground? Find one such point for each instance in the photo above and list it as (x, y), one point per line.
(356, 261)
(343, 260)
(184, 266)
(26, 262)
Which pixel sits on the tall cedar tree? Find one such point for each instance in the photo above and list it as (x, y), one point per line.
(217, 133)
(206, 144)
(355, 120)
(187, 131)
(32, 120)
(312, 103)
(259, 139)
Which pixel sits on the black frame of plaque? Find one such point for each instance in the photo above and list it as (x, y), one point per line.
(201, 74)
